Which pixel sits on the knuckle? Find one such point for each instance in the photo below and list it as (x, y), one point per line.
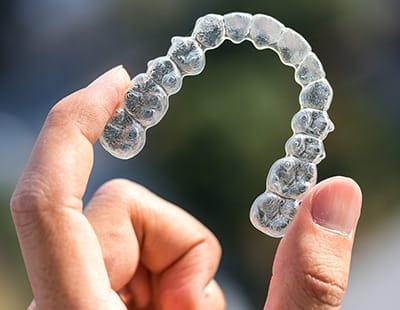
(118, 193)
(325, 288)
(118, 185)
(35, 197)
(28, 200)
(29, 193)
(60, 113)
(122, 188)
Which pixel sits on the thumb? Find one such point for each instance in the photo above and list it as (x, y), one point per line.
(311, 267)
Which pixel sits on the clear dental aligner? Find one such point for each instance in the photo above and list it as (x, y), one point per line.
(290, 177)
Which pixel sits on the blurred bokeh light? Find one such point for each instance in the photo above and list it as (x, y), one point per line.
(211, 153)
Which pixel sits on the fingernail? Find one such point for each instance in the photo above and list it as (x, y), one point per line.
(336, 207)
(107, 75)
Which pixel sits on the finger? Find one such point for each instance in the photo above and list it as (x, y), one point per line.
(181, 255)
(311, 267)
(213, 297)
(32, 306)
(137, 294)
(59, 246)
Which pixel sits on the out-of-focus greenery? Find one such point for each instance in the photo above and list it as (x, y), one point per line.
(227, 126)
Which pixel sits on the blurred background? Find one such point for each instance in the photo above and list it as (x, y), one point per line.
(212, 151)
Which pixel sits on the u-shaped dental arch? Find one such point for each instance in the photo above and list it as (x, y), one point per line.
(290, 177)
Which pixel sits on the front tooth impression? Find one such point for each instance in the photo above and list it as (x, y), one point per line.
(309, 70)
(265, 31)
(292, 48)
(237, 26)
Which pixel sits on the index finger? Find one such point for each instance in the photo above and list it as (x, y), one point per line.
(57, 242)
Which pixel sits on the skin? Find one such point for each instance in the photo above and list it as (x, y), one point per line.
(126, 250)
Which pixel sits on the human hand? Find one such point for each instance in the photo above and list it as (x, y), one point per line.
(131, 249)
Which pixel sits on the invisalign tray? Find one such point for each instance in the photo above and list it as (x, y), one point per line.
(290, 177)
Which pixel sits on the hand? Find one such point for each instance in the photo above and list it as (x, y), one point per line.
(131, 249)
